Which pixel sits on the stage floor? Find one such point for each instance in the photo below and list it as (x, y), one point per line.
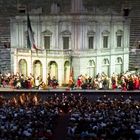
(91, 94)
(64, 89)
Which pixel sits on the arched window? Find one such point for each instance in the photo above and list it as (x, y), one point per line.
(105, 62)
(119, 60)
(53, 69)
(23, 67)
(118, 65)
(105, 66)
(91, 68)
(37, 68)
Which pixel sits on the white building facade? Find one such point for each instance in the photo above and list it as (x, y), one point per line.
(91, 44)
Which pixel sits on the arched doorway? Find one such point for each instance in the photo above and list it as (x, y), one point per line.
(23, 67)
(53, 69)
(91, 68)
(66, 72)
(37, 68)
(105, 67)
(118, 65)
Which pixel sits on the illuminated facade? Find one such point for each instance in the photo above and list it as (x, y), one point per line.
(91, 44)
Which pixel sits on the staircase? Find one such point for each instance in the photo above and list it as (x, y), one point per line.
(4, 60)
(134, 60)
(7, 10)
(4, 40)
(134, 34)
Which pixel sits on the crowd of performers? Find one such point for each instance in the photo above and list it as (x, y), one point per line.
(28, 116)
(18, 81)
(123, 81)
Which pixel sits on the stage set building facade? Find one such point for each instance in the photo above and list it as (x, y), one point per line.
(89, 43)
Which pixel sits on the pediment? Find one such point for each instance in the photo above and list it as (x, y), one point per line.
(119, 32)
(66, 32)
(90, 33)
(47, 32)
(105, 32)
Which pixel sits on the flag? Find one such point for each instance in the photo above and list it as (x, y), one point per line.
(30, 35)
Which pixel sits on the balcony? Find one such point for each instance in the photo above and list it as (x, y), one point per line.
(59, 52)
(26, 51)
(23, 50)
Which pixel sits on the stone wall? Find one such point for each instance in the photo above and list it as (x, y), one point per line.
(4, 44)
(8, 8)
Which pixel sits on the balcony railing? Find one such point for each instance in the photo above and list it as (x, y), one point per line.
(44, 52)
(59, 52)
(23, 50)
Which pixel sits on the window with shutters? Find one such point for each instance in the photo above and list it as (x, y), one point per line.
(65, 42)
(105, 35)
(46, 39)
(90, 42)
(119, 36)
(119, 41)
(47, 42)
(105, 41)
